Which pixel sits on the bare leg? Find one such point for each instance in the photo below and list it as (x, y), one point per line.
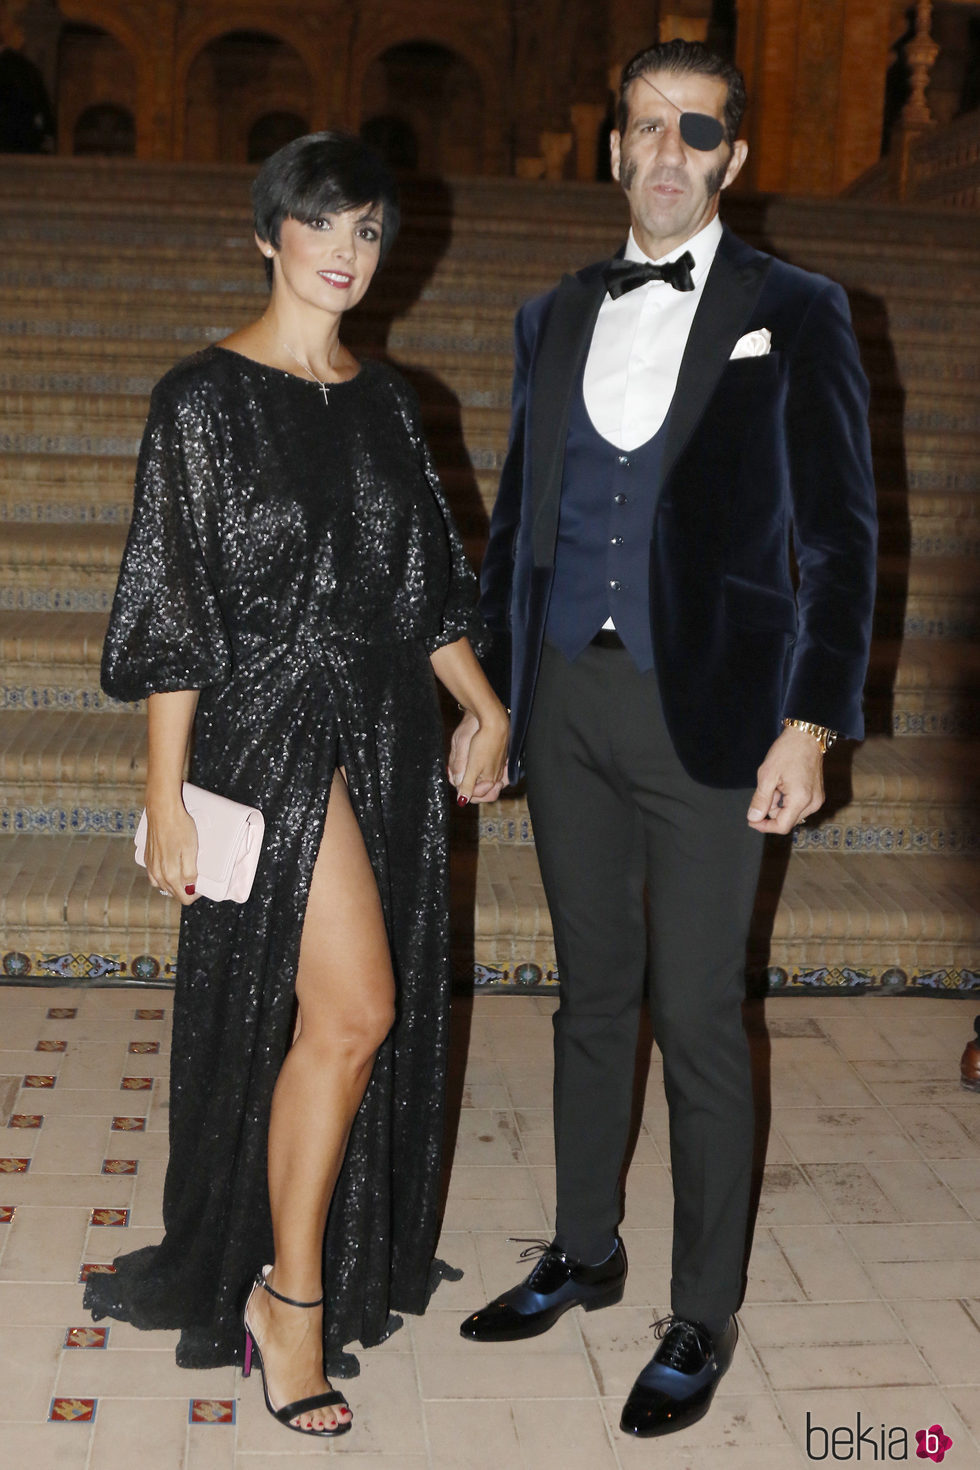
(345, 992)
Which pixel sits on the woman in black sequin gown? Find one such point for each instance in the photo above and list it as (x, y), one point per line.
(291, 580)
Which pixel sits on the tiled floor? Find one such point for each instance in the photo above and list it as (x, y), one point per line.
(863, 1297)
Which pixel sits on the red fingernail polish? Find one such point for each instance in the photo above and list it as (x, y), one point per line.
(462, 800)
(189, 888)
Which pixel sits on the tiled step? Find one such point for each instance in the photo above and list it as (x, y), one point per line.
(74, 567)
(73, 488)
(141, 316)
(945, 462)
(89, 370)
(63, 773)
(204, 202)
(53, 361)
(50, 660)
(63, 396)
(87, 898)
(83, 897)
(137, 184)
(879, 911)
(884, 795)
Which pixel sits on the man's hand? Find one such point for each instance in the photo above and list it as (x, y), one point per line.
(477, 758)
(790, 783)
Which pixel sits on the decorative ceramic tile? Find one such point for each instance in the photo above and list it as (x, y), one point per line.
(62, 1013)
(154, 1015)
(77, 821)
(86, 1337)
(51, 1045)
(7, 1213)
(531, 977)
(142, 969)
(78, 1411)
(211, 1411)
(144, 1048)
(109, 1217)
(120, 1166)
(14, 1166)
(136, 1084)
(26, 1120)
(128, 1125)
(33, 1079)
(79, 966)
(94, 1268)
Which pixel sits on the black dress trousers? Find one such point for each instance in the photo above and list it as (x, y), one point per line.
(645, 871)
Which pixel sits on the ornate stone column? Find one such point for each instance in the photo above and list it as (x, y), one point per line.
(916, 117)
(555, 148)
(587, 119)
(633, 25)
(156, 132)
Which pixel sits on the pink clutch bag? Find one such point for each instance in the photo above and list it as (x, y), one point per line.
(229, 837)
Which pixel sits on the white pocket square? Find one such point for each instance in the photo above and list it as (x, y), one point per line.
(753, 344)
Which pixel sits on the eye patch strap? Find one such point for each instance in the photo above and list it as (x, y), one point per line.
(698, 129)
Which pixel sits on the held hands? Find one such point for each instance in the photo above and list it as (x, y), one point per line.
(790, 783)
(478, 757)
(171, 850)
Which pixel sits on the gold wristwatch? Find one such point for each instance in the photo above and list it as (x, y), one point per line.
(824, 736)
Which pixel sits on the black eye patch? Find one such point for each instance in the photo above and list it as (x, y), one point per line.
(700, 130)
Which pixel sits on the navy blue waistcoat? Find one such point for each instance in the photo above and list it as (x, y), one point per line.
(605, 526)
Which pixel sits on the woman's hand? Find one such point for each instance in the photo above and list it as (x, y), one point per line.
(171, 837)
(478, 756)
(171, 850)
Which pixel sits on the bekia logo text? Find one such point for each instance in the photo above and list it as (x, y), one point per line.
(872, 1442)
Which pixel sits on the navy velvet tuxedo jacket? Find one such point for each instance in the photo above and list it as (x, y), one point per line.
(762, 454)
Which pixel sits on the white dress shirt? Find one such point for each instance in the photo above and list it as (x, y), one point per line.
(637, 345)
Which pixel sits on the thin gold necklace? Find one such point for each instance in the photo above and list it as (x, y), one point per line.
(324, 389)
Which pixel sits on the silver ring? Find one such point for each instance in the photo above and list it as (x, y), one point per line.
(164, 892)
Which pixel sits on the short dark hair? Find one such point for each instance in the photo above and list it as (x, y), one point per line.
(679, 57)
(322, 173)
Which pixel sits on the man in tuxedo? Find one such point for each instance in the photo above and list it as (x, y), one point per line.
(688, 419)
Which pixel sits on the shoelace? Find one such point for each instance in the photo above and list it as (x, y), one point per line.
(677, 1336)
(534, 1246)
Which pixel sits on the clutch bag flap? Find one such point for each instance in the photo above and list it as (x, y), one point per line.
(229, 841)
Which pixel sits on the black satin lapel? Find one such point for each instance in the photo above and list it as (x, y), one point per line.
(566, 342)
(727, 302)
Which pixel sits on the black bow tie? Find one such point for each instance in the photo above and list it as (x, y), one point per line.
(626, 275)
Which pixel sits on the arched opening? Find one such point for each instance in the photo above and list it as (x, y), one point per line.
(104, 130)
(235, 77)
(272, 131)
(428, 94)
(395, 139)
(96, 93)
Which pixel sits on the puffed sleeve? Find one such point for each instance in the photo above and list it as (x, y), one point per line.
(459, 615)
(166, 630)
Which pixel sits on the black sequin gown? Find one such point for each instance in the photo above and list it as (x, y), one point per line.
(296, 562)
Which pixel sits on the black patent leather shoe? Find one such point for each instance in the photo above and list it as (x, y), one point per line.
(676, 1387)
(557, 1282)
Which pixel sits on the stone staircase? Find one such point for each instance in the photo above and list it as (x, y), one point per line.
(111, 272)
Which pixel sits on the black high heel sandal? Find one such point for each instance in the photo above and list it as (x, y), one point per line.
(301, 1406)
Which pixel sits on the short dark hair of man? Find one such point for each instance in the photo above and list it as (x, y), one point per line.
(323, 173)
(680, 57)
